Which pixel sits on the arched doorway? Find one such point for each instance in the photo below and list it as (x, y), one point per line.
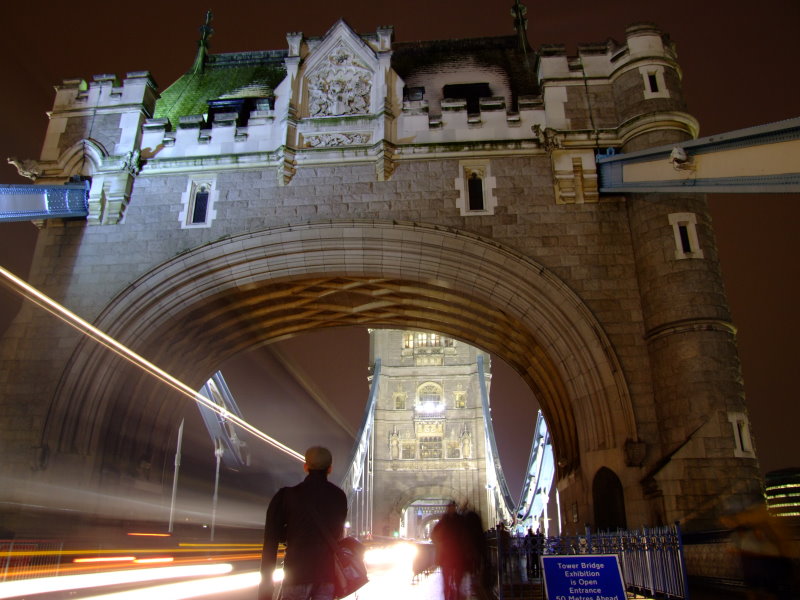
(609, 501)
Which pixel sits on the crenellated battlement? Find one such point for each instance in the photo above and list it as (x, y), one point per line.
(645, 43)
(106, 91)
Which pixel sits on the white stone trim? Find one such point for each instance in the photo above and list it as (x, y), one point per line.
(689, 222)
(483, 168)
(742, 442)
(657, 72)
(187, 201)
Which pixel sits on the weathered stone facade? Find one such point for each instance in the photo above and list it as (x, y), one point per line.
(320, 213)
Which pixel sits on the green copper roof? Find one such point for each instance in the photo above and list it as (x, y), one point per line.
(237, 75)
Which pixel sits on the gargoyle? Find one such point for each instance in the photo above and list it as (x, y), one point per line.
(26, 168)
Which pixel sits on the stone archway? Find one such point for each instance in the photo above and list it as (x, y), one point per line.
(194, 311)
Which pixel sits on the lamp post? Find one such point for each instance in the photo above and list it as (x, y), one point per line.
(218, 452)
(175, 477)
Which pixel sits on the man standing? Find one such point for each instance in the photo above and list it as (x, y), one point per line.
(308, 518)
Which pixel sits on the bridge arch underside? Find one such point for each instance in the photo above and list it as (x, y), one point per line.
(190, 314)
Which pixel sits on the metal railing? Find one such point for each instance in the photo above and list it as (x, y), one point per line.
(651, 560)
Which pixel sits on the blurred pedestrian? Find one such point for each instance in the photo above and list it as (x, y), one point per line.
(447, 537)
(477, 554)
(307, 518)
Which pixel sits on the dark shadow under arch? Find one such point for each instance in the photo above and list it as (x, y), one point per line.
(609, 501)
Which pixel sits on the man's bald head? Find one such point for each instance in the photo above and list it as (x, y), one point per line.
(318, 459)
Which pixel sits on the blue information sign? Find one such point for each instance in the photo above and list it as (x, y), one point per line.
(583, 577)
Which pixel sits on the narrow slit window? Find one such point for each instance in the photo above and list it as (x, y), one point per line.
(198, 204)
(683, 231)
(684, 228)
(742, 442)
(475, 191)
(475, 186)
(200, 208)
(652, 80)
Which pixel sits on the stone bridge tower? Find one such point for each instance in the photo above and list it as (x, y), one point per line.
(444, 186)
(429, 446)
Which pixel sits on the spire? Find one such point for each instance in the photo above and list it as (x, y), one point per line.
(518, 11)
(202, 45)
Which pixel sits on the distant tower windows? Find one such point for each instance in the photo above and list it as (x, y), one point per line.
(653, 80)
(684, 230)
(198, 204)
(476, 188)
(400, 400)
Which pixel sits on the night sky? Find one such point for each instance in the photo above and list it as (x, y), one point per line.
(739, 64)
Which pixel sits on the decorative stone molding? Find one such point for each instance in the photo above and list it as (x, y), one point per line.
(328, 140)
(287, 165)
(384, 160)
(574, 176)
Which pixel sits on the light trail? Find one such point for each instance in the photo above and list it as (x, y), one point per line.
(70, 318)
(188, 589)
(10, 589)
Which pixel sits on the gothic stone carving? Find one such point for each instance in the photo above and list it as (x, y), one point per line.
(341, 86)
(326, 140)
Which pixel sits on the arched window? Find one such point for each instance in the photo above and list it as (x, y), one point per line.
(198, 203)
(609, 501)
(429, 399)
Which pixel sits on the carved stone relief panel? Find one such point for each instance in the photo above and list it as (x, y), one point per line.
(341, 85)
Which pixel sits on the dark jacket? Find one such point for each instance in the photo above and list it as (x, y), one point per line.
(309, 558)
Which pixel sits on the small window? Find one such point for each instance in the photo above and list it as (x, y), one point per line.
(475, 191)
(742, 442)
(471, 92)
(409, 451)
(652, 80)
(200, 208)
(453, 450)
(198, 204)
(460, 399)
(413, 94)
(400, 401)
(687, 244)
(475, 186)
(430, 448)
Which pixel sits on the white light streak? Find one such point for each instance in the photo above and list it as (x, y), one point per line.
(63, 313)
(188, 589)
(10, 589)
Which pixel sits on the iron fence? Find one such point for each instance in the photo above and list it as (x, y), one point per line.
(651, 560)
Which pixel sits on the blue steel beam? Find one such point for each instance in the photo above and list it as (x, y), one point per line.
(762, 159)
(32, 202)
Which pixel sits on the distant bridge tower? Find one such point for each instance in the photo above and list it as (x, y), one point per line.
(431, 436)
